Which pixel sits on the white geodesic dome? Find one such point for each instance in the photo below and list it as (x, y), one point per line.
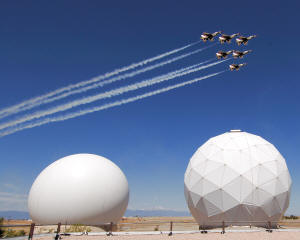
(238, 178)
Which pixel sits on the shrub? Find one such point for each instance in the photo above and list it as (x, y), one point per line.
(291, 217)
(78, 228)
(14, 233)
(1, 230)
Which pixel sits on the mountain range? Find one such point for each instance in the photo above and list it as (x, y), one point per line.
(128, 213)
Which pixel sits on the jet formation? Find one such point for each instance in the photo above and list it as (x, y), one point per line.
(225, 38)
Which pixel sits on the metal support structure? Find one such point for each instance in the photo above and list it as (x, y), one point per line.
(223, 227)
(269, 227)
(30, 236)
(171, 229)
(57, 231)
(202, 229)
(110, 229)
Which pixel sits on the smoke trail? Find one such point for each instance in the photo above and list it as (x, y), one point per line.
(96, 79)
(102, 83)
(106, 106)
(111, 93)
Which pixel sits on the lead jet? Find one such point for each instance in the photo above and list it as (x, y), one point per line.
(244, 40)
(236, 66)
(222, 54)
(227, 38)
(209, 36)
(239, 54)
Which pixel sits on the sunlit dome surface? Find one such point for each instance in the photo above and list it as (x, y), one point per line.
(238, 178)
(81, 188)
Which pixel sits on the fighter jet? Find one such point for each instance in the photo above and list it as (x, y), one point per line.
(227, 38)
(222, 54)
(239, 54)
(209, 36)
(244, 40)
(236, 66)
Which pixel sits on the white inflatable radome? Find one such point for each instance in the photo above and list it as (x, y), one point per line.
(238, 178)
(79, 189)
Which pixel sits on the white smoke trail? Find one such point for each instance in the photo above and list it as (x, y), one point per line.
(101, 83)
(108, 94)
(14, 108)
(105, 106)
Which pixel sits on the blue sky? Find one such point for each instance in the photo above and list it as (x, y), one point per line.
(45, 45)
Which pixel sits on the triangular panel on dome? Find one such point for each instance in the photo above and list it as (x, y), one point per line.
(271, 166)
(197, 158)
(201, 167)
(252, 139)
(208, 187)
(231, 145)
(234, 188)
(271, 207)
(260, 217)
(228, 201)
(209, 149)
(232, 159)
(211, 208)
(192, 178)
(281, 164)
(217, 157)
(215, 198)
(264, 175)
(246, 188)
(229, 175)
(245, 163)
(198, 187)
(195, 198)
(270, 186)
(258, 197)
(264, 155)
(285, 179)
(216, 176)
(221, 140)
(241, 141)
(238, 215)
(201, 207)
(280, 188)
(212, 166)
(263, 196)
(269, 149)
(283, 200)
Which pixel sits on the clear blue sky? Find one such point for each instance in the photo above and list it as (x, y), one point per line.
(45, 45)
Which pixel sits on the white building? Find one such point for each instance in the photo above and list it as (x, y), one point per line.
(238, 178)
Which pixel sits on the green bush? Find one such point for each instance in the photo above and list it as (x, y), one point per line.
(291, 217)
(78, 228)
(13, 233)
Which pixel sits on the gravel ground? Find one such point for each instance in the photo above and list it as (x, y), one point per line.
(191, 236)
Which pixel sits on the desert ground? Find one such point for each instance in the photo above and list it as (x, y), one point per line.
(209, 236)
(153, 228)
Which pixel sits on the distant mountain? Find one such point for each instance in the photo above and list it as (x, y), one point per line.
(129, 213)
(156, 213)
(14, 215)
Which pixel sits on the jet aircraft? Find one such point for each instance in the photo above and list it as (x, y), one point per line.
(244, 40)
(227, 38)
(222, 54)
(239, 54)
(236, 66)
(209, 36)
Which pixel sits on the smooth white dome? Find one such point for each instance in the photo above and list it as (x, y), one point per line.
(238, 178)
(81, 188)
